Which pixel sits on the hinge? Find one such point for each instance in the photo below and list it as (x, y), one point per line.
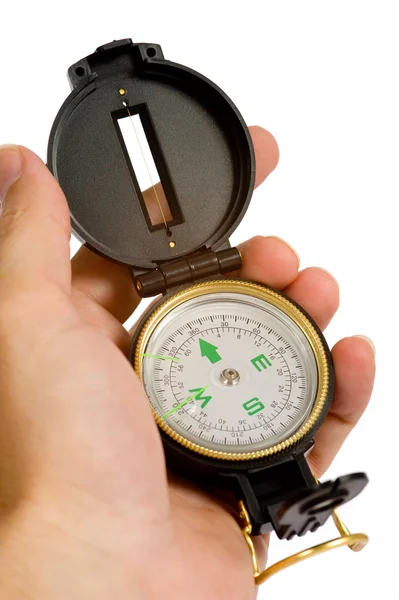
(186, 270)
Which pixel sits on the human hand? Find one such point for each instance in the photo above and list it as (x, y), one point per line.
(85, 507)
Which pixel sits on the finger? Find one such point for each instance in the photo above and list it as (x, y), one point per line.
(109, 284)
(267, 153)
(317, 291)
(34, 226)
(268, 260)
(354, 364)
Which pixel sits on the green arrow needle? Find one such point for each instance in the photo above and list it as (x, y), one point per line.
(209, 351)
(161, 357)
(186, 401)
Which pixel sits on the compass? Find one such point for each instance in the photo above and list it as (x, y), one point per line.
(158, 168)
(232, 369)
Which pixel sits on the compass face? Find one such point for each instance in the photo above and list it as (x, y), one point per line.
(229, 372)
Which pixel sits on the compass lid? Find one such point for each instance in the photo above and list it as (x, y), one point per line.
(155, 160)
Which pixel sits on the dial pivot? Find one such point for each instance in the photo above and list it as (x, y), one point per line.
(230, 377)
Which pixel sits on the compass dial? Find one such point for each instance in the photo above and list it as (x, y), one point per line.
(229, 372)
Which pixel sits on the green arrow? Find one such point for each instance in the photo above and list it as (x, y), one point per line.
(210, 351)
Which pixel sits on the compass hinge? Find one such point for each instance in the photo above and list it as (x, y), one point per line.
(186, 270)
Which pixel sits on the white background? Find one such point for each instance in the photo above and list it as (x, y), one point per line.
(322, 77)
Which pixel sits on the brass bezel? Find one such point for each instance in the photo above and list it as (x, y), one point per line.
(277, 300)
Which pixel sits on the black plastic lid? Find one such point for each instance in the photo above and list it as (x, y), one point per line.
(200, 144)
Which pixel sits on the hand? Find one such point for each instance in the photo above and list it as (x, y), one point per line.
(85, 507)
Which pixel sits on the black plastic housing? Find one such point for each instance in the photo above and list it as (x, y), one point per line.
(199, 141)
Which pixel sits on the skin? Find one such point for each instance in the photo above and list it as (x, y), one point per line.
(86, 508)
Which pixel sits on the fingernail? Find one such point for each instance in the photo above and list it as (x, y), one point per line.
(368, 340)
(10, 169)
(289, 246)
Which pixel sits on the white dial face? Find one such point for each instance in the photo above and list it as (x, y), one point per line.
(230, 372)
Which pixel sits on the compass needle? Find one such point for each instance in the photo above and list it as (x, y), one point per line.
(159, 357)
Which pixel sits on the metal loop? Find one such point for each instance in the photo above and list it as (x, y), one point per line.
(354, 541)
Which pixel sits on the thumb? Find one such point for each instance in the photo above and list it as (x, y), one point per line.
(34, 223)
